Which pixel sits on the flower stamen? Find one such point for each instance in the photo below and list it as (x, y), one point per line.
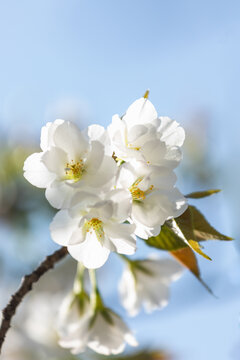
(74, 170)
(138, 194)
(95, 225)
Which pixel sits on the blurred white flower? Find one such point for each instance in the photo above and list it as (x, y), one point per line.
(71, 160)
(141, 135)
(146, 282)
(94, 227)
(101, 330)
(154, 197)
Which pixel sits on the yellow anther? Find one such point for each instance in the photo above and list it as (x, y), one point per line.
(130, 146)
(138, 194)
(74, 170)
(95, 225)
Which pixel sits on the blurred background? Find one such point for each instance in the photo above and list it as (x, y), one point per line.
(85, 60)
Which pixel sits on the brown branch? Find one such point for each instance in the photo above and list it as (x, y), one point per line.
(26, 286)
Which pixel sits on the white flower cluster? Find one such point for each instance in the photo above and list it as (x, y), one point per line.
(111, 186)
(104, 202)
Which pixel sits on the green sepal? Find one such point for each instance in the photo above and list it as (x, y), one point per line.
(83, 300)
(106, 314)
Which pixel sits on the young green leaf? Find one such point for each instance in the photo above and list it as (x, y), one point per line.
(202, 229)
(194, 226)
(166, 240)
(202, 194)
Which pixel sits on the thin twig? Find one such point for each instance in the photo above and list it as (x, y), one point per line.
(26, 286)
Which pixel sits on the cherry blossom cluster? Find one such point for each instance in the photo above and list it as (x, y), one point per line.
(110, 187)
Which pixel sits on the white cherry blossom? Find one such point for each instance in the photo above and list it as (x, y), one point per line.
(101, 330)
(70, 160)
(94, 226)
(154, 197)
(146, 282)
(141, 135)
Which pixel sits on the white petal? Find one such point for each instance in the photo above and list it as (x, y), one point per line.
(157, 298)
(140, 112)
(123, 328)
(103, 210)
(154, 152)
(162, 177)
(103, 339)
(103, 175)
(77, 237)
(121, 235)
(95, 157)
(36, 172)
(62, 227)
(145, 232)
(47, 133)
(178, 202)
(127, 289)
(173, 157)
(122, 204)
(59, 194)
(55, 160)
(69, 138)
(81, 200)
(135, 132)
(109, 339)
(97, 132)
(165, 269)
(170, 132)
(91, 253)
(77, 338)
(116, 131)
(126, 176)
(152, 211)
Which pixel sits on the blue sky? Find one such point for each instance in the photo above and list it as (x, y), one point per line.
(87, 60)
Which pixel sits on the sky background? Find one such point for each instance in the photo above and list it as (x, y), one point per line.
(87, 60)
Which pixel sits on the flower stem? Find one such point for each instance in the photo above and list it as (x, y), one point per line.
(78, 285)
(93, 279)
(96, 299)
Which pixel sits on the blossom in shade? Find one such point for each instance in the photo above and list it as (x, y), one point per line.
(101, 330)
(70, 160)
(155, 199)
(94, 226)
(146, 282)
(140, 134)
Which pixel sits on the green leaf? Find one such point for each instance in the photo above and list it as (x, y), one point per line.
(202, 194)
(166, 240)
(180, 248)
(185, 223)
(194, 226)
(187, 258)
